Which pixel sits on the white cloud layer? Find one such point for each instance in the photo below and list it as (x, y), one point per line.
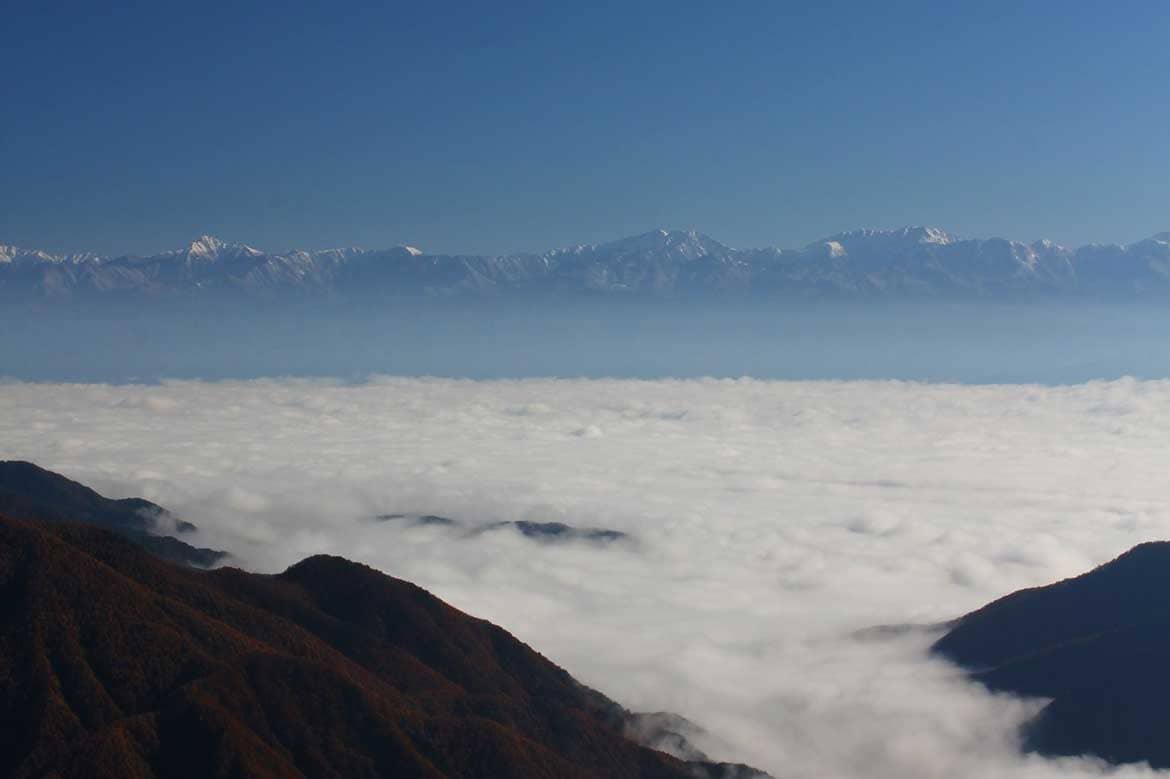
(772, 521)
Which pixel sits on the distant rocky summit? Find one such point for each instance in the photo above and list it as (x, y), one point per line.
(1096, 646)
(911, 261)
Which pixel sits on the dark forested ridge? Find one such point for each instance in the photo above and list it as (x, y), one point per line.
(1096, 645)
(114, 663)
(32, 493)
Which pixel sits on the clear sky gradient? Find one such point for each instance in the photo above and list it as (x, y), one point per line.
(495, 127)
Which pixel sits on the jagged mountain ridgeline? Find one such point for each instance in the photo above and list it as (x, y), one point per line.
(906, 262)
(115, 662)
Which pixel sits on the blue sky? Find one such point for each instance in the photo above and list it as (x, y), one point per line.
(520, 126)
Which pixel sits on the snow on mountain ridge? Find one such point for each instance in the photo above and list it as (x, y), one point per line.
(211, 248)
(658, 239)
(834, 249)
(908, 234)
(909, 260)
(16, 254)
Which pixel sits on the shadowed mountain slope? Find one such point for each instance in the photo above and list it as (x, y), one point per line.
(1096, 645)
(114, 663)
(32, 493)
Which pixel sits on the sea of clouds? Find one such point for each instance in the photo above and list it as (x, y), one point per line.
(770, 522)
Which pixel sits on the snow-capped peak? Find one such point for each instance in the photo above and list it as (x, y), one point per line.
(205, 245)
(930, 235)
(835, 249)
(208, 247)
(685, 242)
(910, 234)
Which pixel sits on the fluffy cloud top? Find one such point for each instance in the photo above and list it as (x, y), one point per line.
(771, 522)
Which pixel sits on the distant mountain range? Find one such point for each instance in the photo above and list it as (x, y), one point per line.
(912, 261)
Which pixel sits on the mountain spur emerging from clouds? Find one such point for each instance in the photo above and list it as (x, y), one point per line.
(911, 261)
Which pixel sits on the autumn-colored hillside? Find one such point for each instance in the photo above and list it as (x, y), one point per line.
(114, 663)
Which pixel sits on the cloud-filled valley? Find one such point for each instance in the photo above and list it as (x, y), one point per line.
(769, 523)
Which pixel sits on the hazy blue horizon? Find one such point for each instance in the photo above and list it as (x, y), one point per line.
(957, 342)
